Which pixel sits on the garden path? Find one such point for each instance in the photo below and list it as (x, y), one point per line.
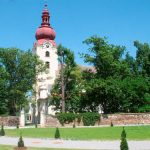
(88, 145)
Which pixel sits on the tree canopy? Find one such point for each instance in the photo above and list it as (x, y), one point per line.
(118, 82)
(18, 70)
(72, 79)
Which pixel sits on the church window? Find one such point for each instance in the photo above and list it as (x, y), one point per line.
(47, 54)
(47, 64)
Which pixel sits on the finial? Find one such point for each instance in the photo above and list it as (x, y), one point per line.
(45, 5)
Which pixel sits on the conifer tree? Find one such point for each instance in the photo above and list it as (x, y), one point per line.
(57, 134)
(2, 132)
(20, 142)
(17, 126)
(111, 124)
(123, 134)
(123, 144)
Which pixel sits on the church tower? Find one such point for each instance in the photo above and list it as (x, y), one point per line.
(45, 48)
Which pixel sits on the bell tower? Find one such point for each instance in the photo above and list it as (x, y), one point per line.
(45, 48)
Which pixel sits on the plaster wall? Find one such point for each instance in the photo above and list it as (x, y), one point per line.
(48, 77)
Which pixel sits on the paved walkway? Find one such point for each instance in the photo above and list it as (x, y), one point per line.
(88, 145)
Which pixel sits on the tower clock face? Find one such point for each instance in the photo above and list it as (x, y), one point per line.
(47, 45)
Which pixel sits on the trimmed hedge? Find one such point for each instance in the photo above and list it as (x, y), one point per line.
(88, 118)
(66, 117)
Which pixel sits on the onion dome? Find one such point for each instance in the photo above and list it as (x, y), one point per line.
(45, 32)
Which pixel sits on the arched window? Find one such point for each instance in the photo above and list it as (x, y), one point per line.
(47, 54)
(47, 64)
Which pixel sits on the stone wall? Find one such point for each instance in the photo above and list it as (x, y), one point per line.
(116, 119)
(9, 120)
(52, 121)
(125, 119)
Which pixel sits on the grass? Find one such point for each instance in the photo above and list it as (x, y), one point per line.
(99, 133)
(3, 147)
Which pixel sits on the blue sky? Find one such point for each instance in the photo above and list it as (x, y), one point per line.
(122, 21)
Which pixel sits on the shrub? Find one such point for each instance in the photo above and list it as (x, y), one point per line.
(123, 144)
(90, 118)
(17, 126)
(74, 125)
(36, 125)
(123, 134)
(66, 117)
(57, 134)
(111, 124)
(2, 132)
(20, 142)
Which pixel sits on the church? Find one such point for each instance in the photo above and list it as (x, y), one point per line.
(45, 47)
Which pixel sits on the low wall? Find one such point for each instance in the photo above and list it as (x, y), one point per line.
(125, 119)
(116, 119)
(9, 120)
(52, 121)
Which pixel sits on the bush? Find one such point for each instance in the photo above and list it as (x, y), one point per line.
(2, 132)
(74, 125)
(90, 118)
(20, 142)
(111, 124)
(17, 126)
(66, 117)
(123, 144)
(36, 125)
(123, 134)
(57, 134)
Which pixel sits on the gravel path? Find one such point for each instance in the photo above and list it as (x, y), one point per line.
(91, 145)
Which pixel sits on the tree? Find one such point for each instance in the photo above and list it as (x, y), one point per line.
(2, 132)
(19, 70)
(106, 58)
(118, 84)
(104, 87)
(57, 134)
(143, 58)
(103, 92)
(20, 142)
(123, 144)
(136, 95)
(69, 79)
(3, 90)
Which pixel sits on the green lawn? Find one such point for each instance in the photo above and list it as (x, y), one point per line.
(2, 147)
(100, 133)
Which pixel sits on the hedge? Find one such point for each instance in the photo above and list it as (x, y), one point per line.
(88, 118)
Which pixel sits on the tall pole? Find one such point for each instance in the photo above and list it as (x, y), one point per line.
(62, 84)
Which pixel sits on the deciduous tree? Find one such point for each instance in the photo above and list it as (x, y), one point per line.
(18, 74)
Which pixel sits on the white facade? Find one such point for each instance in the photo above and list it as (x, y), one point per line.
(48, 54)
(45, 48)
